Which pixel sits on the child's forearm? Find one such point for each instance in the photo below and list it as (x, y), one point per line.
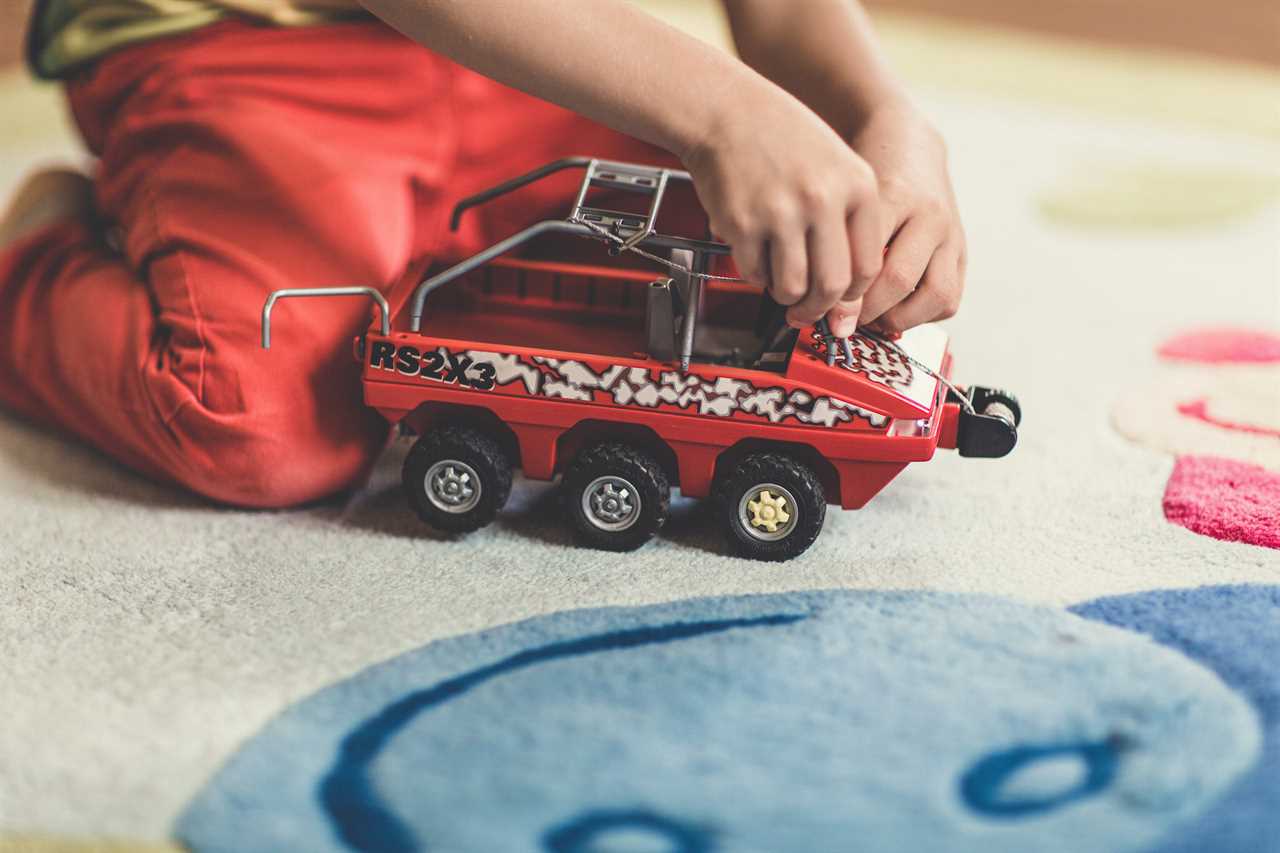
(605, 59)
(822, 51)
(781, 183)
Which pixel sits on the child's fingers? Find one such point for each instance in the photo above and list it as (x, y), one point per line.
(789, 267)
(843, 317)
(829, 266)
(749, 256)
(904, 267)
(867, 234)
(938, 295)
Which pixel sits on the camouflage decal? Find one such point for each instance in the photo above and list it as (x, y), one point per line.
(568, 379)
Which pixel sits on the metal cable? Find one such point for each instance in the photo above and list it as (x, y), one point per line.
(666, 262)
(965, 402)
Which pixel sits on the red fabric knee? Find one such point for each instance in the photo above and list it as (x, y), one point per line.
(80, 350)
(235, 161)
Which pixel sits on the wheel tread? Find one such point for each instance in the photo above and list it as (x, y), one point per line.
(786, 471)
(469, 444)
(615, 457)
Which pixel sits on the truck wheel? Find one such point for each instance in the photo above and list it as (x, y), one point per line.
(457, 478)
(617, 496)
(772, 506)
(1007, 406)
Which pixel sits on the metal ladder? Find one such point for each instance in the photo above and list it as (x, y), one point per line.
(630, 230)
(633, 228)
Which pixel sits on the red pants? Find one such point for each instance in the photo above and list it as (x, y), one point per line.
(236, 161)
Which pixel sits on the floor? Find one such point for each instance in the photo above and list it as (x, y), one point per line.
(146, 664)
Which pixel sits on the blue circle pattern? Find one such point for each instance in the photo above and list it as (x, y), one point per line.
(801, 721)
(1234, 630)
(983, 785)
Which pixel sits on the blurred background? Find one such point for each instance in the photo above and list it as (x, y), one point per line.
(1239, 29)
(13, 22)
(1247, 30)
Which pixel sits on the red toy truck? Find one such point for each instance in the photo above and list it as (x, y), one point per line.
(627, 386)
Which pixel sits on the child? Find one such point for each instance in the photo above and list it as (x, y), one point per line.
(237, 157)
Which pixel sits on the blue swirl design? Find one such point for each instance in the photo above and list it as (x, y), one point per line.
(360, 818)
(581, 834)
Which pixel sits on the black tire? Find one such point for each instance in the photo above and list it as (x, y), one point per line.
(782, 479)
(479, 463)
(617, 496)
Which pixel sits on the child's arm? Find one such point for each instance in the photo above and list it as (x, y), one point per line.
(825, 52)
(799, 207)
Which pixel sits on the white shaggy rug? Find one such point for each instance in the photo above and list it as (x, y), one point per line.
(145, 634)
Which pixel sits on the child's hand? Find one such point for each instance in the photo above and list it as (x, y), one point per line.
(923, 273)
(796, 203)
(805, 214)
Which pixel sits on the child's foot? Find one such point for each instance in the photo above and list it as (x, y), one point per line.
(46, 197)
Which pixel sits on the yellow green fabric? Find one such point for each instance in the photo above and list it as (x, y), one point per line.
(1150, 196)
(65, 34)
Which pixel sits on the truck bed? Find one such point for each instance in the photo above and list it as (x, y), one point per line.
(572, 307)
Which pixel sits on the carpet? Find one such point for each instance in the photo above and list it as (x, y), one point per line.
(158, 652)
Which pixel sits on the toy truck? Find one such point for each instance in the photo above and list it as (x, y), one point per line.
(628, 384)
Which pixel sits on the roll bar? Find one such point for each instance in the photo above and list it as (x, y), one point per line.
(630, 230)
(623, 231)
(605, 173)
(384, 311)
(500, 248)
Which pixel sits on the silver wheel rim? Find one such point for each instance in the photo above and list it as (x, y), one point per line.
(452, 486)
(611, 503)
(768, 512)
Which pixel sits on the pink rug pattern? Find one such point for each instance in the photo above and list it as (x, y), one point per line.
(1222, 346)
(1212, 495)
(1228, 500)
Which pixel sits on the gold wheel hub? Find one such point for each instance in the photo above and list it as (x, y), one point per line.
(768, 511)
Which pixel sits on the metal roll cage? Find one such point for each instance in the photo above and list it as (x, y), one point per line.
(621, 231)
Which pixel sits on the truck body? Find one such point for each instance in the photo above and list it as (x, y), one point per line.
(629, 381)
